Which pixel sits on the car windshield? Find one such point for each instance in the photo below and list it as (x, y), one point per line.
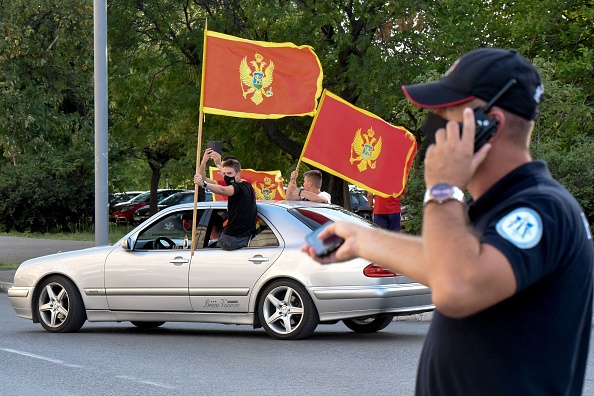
(172, 199)
(141, 198)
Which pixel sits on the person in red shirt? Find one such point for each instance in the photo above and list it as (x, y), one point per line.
(386, 211)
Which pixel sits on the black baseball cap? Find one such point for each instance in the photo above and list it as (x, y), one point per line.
(482, 73)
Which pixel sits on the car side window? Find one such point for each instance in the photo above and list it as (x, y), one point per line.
(264, 236)
(170, 232)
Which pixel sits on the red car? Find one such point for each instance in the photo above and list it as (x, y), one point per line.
(123, 212)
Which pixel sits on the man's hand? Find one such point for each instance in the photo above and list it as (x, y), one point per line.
(217, 159)
(294, 175)
(198, 180)
(347, 251)
(207, 155)
(452, 159)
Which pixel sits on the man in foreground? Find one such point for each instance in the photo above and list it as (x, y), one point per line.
(511, 269)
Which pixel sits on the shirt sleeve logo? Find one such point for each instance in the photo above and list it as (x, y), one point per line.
(522, 227)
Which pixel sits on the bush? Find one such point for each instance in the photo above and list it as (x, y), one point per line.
(52, 196)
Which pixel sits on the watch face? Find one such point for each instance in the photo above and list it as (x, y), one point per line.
(442, 191)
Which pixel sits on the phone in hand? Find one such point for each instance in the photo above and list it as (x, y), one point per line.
(215, 145)
(326, 246)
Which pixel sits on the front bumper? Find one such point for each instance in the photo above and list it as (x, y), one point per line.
(21, 299)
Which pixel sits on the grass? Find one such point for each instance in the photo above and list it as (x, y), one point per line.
(114, 233)
(8, 266)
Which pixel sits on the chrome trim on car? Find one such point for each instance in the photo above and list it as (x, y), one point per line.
(94, 292)
(376, 291)
(147, 292)
(202, 291)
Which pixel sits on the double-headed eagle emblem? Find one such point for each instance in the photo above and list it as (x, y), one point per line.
(267, 190)
(367, 148)
(257, 82)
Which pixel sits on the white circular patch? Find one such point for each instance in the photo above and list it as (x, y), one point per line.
(522, 227)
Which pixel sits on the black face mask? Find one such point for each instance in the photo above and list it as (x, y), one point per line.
(229, 179)
(432, 123)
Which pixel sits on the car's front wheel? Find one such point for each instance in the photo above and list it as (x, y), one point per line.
(286, 311)
(368, 325)
(60, 307)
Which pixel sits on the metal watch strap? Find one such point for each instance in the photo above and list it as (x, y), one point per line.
(455, 195)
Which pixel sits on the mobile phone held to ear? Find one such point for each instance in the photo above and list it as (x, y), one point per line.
(326, 246)
(485, 127)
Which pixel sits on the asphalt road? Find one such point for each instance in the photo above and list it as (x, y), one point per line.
(205, 359)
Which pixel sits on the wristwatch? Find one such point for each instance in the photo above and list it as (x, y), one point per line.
(443, 192)
(204, 183)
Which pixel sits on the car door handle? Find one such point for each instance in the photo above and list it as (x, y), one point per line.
(257, 259)
(179, 261)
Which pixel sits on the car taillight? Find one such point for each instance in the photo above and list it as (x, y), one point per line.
(375, 271)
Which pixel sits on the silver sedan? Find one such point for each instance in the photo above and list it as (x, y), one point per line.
(150, 277)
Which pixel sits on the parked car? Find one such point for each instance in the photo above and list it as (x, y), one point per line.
(122, 213)
(150, 277)
(120, 197)
(178, 198)
(359, 203)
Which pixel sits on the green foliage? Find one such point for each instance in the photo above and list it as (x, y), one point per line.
(367, 49)
(55, 195)
(413, 200)
(574, 168)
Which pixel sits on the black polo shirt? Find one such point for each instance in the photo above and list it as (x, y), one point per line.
(242, 210)
(535, 342)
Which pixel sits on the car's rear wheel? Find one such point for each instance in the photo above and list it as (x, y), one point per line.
(147, 325)
(60, 308)
(286, 311)
(369, 325)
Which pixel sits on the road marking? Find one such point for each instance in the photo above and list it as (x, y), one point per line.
(32, 355)
(78, 366)
(145, 382)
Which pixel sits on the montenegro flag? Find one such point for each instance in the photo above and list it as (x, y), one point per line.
(359, 147)
(257, 79)
(268, 185)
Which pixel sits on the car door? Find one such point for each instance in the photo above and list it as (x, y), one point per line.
(222, 281)
(153, 275)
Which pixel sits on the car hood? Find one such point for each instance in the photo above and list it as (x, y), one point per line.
(89, 260)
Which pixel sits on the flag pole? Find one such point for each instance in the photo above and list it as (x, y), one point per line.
(196, 186)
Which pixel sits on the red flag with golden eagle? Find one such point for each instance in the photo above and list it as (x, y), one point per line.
(268, 185)
(257, 79)
(359, 147)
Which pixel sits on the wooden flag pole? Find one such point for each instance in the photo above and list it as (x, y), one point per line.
(196, 186)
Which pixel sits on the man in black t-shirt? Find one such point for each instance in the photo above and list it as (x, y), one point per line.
(241, 203)
(511, 269)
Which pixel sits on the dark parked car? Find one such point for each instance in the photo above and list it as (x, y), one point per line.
(120, 197)
(122, 213)
(178, 198)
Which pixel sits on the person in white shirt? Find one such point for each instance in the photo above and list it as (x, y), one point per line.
(312, 183)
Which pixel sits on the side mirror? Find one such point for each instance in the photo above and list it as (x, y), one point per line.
(127, 244)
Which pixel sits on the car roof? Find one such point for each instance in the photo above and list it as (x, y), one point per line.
(284, 204)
